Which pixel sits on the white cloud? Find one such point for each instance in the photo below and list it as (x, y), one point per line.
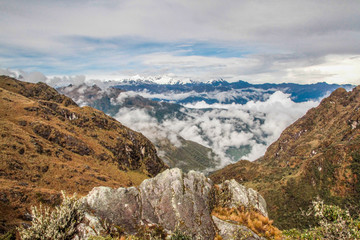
(218, 126)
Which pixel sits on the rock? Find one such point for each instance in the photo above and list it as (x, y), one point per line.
(176, 200)
(121, 207)
(64, 140)
(90, 226)
(232, 194)
(232, 231)
(172, 200)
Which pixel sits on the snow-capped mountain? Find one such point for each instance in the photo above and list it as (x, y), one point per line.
(221, 91)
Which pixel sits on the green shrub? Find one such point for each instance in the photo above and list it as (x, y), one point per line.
(333, 223)
(57, 224)
(178, 235)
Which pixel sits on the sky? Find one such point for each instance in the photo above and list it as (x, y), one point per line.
(251, 40)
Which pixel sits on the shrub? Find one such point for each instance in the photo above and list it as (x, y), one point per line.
(333, 223)
(57, 224)
(178, 235)
(152, 232)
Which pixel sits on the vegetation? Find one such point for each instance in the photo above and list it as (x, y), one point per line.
(250, 218)
(11, 235)
(178, 235)
(57, 224)
(148, 233)
(189, 156)
(355, 168)
(332, 223)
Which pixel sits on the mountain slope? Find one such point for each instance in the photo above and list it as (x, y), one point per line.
(49, 144)
(318, 155)
(186, 154)
(189, 156)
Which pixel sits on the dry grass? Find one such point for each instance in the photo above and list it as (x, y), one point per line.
(252, 219)
(34, 169)
(218, 237)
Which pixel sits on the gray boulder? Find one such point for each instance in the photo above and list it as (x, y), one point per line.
(232, 231)
(120, 207)
(173, 200)
(177, 200)
(90, 226)
(233, 194)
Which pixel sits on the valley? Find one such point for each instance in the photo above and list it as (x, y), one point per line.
(173, 117)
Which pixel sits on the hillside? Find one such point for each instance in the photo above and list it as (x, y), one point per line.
(189, 156)
(186, 154)
(49, 144)
(318, 155)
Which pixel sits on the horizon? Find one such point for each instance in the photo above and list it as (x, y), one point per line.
(300, 42)
(108, 80)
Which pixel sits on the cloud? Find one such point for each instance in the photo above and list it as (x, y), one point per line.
(254, 125)
(256, 41)
(33, 77)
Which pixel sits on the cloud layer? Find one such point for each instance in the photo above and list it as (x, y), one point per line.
(254, 125)
(256, 41)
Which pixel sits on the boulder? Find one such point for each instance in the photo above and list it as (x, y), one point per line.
(181, 201)
(90, 226)
(120, 207)
(233, 231)
(172, 200)
(232, 194)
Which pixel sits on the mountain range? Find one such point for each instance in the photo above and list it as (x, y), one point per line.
(221, 91)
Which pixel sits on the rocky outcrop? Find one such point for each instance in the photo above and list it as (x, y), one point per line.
(173, 200)
(233, 195)
(232, 231)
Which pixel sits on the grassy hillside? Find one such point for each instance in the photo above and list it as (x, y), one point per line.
(189, 156)
(48, 144)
